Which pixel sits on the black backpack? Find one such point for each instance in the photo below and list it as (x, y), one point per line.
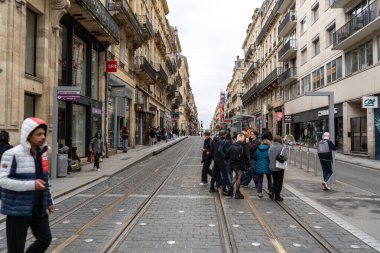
(236, 152)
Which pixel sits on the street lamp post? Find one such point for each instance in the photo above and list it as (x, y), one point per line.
(330, 95)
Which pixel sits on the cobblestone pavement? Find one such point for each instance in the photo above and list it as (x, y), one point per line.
(183, 216)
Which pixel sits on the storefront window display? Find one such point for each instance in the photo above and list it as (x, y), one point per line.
(94, 74)
(79, 129)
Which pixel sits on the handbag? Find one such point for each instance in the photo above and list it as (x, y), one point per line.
(281, 161)
(90, 157)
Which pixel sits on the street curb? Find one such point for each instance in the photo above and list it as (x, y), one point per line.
(152, 153)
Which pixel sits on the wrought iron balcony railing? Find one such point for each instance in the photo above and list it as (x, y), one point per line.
(291, 16)
(358, 22)
(147, 26)
(142, 64)
(270, 79)
(291, 44)
(161, 74)
(249, 94)
(254, 66)
(249, 52)
(160, 41)
(287, 76)
(268, 23)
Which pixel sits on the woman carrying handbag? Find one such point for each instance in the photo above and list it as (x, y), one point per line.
(278, 156)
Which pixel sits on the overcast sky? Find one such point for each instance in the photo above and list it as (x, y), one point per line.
(212, 33)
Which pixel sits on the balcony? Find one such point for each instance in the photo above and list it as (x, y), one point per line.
(162, 77)
(171, 88)
(268, 23)
(179, 97)
(123, 13)
(147, 26)
(249, 52)
(346, 4)
(288, 50)
(358, 28)
(178, 80)
(92, 15)
(269, 80)
(144, 70)
(288, 76)
(287, 24)
(234, 98)
(283, 5)
(248, 96)
(170, 65)
(254, 66)
(160, 42)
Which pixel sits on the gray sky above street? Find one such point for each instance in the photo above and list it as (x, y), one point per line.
(211, 34)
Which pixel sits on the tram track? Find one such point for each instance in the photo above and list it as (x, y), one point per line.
(131, 222)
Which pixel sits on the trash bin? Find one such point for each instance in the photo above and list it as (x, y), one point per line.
(62, 163)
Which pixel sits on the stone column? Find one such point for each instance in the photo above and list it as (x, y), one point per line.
(346, 128)
(371, 134)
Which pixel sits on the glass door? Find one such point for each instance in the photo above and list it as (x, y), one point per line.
(359, 134)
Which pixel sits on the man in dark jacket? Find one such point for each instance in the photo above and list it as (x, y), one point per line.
(253, 144)
(325, 157)
(4, 142)
(25, 192)
(238, 154)
(206, 158)
(218, 170)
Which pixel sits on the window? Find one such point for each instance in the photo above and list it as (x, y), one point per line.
(315, 12)
(303, 25)
(79, 64)
(299, 89)
(329, 3)
(334, 70)
(286, 93)
(305, 83)
(359, 58)
(62, 56)
(316, 46)
(330, 35)
(303, 56)
(30, 42)
(318, 78)
(29, 105)
(95, 74)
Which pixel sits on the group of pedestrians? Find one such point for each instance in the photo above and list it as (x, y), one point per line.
(248, 158)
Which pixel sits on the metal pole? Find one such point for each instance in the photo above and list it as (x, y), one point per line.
(307, 158)
(301, 159)
(315, 168)
(54, 141)
(332, 133)
(115, 139)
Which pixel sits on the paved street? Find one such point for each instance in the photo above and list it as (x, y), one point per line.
(145, 203)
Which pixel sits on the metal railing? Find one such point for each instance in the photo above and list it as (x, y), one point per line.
(269, 22)
(291, 44)
(143, 64)
(102, 15)
(159, 40)
(254, 65)
(145, 22)
(356, 23)
(271, 78)
(251, 48)
(124, 6)
(161, 73)
(303, 160)
(288, 73)
(246, 96)
(290, 16)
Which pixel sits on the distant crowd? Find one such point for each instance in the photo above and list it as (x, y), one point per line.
(157, 134)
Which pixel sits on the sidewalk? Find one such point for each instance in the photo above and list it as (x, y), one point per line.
(109, 166)
(373, 164)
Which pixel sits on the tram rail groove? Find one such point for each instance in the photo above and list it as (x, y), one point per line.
(60, 247)
(115, 242)
(312, 232)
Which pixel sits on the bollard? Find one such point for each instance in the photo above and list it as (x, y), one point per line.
(301, 159)
(307, 158)
(315, 168)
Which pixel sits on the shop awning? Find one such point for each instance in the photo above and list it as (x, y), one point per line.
(242, 117)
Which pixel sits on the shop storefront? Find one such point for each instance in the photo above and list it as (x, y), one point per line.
(308, 127)
(78, 65)
(118, 110)
(143, 118)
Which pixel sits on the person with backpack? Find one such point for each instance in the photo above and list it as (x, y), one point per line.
(238, 155)
(277, 152)
(249, 175)
(206, 158)
(262, 167)
(324, 150)
(4, 142)
(218, 170)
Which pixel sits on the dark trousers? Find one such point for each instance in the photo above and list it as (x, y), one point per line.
(260, 179)
(206, 170)
(17, 228)
(327, 169)
(96, 160)
(278, 179)
(250, 175)
(217, 170)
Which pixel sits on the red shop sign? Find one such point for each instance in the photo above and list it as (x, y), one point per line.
(111, 66)
(279, 116)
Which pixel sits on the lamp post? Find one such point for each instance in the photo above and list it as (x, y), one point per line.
(330, 95)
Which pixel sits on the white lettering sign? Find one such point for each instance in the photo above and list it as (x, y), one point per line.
(326, 112)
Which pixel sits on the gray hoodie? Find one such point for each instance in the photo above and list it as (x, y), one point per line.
(274, 151)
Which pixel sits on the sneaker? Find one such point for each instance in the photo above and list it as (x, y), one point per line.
(97, 169)
(244, 186)
(238, 195)
(271, 195)
(202, 183)
(260, 196)
(279, 199)
(325, 186)
(213, 190)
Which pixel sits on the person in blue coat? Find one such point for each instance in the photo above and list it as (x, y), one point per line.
(262, 167)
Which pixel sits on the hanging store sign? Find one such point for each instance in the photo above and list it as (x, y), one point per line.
(68, 95)
(279, 116)
(369, 102)
(111, 66)
(326, 112)
(288, 118)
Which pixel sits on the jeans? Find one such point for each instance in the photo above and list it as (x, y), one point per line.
(260, 179)
(250, 174)
(327, 169)
(125, 145)
(96, 160)
(278, 179)
(228, 170)
(17, 228)
(206, 170)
